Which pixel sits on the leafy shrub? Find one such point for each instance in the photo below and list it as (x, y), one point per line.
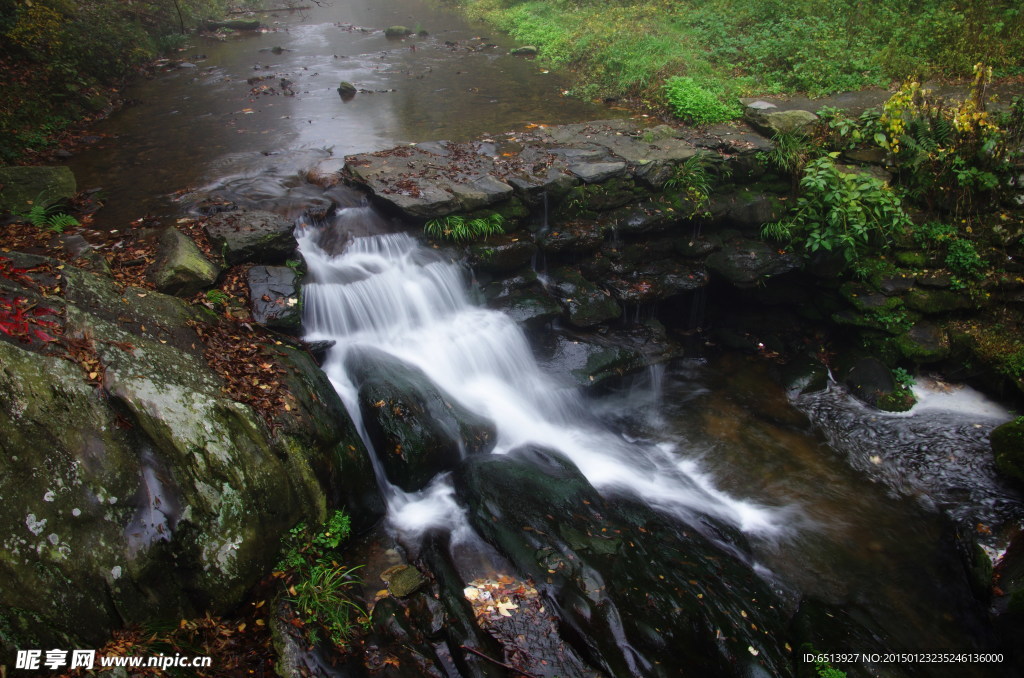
(840, 212)
(962, 258)
(696, 103)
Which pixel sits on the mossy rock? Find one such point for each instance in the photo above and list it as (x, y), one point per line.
(25, 187)
(935, 301)
(1008, 447)
(397, 31)
(913, 259)
(924, 343)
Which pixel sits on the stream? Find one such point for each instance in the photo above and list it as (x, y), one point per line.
(816, 502)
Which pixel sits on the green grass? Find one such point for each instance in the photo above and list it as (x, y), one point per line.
(760, 46)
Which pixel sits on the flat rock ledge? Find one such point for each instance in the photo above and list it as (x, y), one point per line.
(434, 179)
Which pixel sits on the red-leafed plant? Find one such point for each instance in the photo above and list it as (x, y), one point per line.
(24, 320)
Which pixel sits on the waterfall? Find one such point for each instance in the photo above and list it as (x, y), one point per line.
(388, 292)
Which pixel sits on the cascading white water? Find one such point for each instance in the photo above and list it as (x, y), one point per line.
(389, 293)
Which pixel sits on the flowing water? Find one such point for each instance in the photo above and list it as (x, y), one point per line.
(222, 127)
(839, 502)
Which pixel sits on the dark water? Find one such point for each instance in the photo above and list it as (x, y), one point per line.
(210, 128)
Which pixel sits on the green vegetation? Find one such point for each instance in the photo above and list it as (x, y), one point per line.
(759, 46)
(698, 103)
(840, 211)
(692, 182)
(49, 217)
(323, 592)
(57, 55)
(458, 228)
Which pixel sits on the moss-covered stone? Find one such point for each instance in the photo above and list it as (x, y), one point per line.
(1008, 448)
(585, 304)
(924, 343)
(151, 496)
(180, 267)
(935, 301)
(25, 187)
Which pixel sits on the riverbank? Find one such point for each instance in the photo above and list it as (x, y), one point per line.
(62, 64)
(731, 48)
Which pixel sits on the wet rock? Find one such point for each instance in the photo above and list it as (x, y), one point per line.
(525, 50)
(152, 496)
(1008, 448)
(481, 192)
(403, 580)
(595, 558)
(697, 246)
(749, 208)
(574, 236)
(804, 374)
(24, 187)
(421, 181)
(579, 359)
(502, 253)
(585, 304)
(641, 218)
(528, 307)
(656, 280)
(870, 380)
(180, 267)
(397, 31)
(256, 236)
(818, 625)
(275, 294)
(924, 343)
(745, 263)
(417, 430)
(347, 89)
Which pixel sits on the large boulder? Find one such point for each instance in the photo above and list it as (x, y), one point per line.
(416, 429)
(21, 188)
(135, 490)
(257, 236)
(632, 587)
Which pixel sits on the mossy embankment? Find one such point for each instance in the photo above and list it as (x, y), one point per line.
(759, 46)
(59, 60)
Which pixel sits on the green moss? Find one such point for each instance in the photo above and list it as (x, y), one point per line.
(1008, 448)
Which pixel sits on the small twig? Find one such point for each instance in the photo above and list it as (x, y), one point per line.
(495, 661)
